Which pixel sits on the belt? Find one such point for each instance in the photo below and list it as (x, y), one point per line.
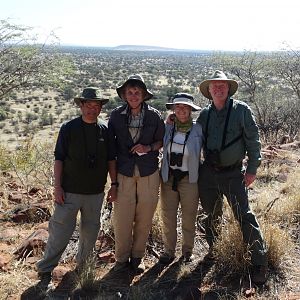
(182, 173)
(224, 169)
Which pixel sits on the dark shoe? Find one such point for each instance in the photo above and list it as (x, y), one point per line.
(69, 282)
(209, 257)
(259, 274)
(119, 266)
(79, 269)
(137, 264)
(166, 258)
(187, 257)
(45, 281)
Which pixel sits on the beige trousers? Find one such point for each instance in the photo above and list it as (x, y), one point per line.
(188, 197)
(133, 213)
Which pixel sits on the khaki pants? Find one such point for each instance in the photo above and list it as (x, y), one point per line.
(133, 213)
(62, 225)
(187, 196)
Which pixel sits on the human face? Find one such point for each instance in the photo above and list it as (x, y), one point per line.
(134, 97)
(182, 112)
(90, 110)
(219, 90)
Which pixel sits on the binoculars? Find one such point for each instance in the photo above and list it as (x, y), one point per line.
(176, 159)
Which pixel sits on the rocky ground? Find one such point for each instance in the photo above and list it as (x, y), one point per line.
(23, 235)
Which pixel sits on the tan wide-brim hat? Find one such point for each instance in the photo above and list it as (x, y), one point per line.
(183, 98)
(91, 93)
(218, 76)
(139, 80)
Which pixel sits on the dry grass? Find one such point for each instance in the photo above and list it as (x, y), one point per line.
(14, 281)
(87, 275)
(231, 254)
(280, 202)
(279, 243)
(275, 202)
(277, 207)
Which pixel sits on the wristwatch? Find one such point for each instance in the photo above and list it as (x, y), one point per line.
(116, 183)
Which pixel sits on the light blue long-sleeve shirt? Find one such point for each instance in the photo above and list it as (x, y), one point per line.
(193, 144)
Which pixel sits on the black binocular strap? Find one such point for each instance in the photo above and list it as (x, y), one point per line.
(223, 146)
(172, 137)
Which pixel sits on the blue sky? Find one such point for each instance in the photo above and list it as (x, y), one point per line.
(189, 24)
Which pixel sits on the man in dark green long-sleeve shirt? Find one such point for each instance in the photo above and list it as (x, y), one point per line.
(230, 133)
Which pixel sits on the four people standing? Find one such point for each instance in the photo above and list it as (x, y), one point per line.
(136, 132)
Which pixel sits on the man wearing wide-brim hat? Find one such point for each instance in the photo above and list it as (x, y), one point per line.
(230, 134)
(80, 172)
(136, 132)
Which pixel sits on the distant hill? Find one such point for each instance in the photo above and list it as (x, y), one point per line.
(134, 48)
(143, 48)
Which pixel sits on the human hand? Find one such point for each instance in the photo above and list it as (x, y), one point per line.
(249, 178)
(140, 149)
(170, 119)
(112, 194)
(59, 197)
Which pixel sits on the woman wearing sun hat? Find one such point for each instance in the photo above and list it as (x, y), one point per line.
(179, 172)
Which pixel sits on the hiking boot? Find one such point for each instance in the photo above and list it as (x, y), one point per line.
(68, 282)
(137, 264)
(209, 257)
(187, 257)
(259, 274)
(119, 266)
(166, 258)
(45, 281)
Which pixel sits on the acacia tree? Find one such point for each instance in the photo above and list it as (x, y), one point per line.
(24, 61)
(288, 67)
(249, 68)
(263, 87)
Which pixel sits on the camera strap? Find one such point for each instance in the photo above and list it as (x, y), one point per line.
(87, 143)
(226, 124)
(223, 146)
(135, 125)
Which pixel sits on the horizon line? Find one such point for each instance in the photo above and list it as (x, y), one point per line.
(163, 48)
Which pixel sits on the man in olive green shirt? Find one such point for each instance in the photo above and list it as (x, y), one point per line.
(230, 133)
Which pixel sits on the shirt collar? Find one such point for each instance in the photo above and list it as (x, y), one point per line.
(126, 109)
(225, 108)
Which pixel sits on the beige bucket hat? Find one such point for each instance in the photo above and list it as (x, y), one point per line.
(217, 76)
